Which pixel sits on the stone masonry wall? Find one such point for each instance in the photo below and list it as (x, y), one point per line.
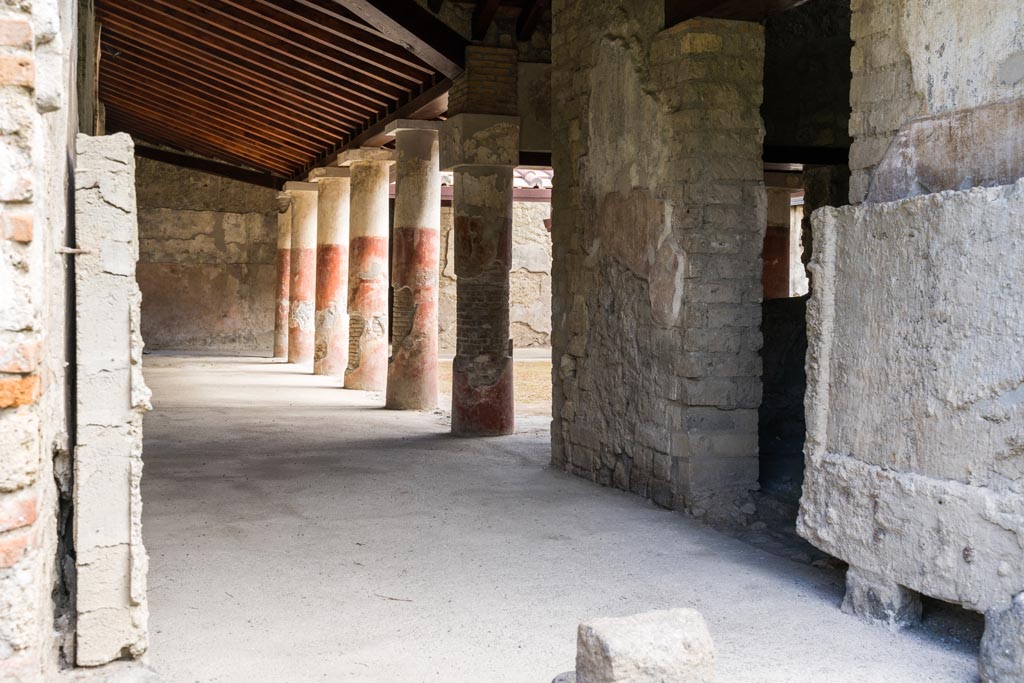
(937, 96)
(658, 224)
(530, 297)
(36, 39)
(206, 266)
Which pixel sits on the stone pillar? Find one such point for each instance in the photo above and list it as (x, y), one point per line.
(368, 273)
(483, 151)
(110, 558)
(331, 347)
(303, 272)
(284, 267)
(412, 370)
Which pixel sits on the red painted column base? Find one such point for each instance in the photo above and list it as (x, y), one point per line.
(487, 410)
(284, 265)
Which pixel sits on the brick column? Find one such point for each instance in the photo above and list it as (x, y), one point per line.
(284, 267)
(483, 151)
(481, 145)
(368, 274)
(412, 370)
(331, 348)
(302, 290)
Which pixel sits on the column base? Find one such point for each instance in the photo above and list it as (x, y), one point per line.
(878, 600)
(330, 357)
(1002, 647)
(485, 410)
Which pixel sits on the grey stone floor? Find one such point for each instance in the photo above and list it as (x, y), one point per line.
(298, 532)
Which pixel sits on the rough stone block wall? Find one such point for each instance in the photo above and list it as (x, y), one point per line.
(937, 96)
(530, 280)
(35, 38)
(915, 403)
(207, 260)
(112, 397)
(658, 224)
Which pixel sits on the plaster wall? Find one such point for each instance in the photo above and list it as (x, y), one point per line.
(915, 403)
(657, 252)
(207, 260)
(530, 279)
(111, 398)
(937, 96)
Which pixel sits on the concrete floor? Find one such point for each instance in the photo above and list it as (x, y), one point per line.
(299, 533)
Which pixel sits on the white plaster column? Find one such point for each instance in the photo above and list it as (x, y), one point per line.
(368, 273)
(412, 370)
(284, 264)
(330, 356)
(302, 287)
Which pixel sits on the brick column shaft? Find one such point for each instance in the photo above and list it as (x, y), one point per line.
(482, 385)
(303, 272)
(412, 370)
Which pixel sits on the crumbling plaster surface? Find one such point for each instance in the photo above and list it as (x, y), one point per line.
(530, 279)
(112, 397)
(919, 63)
(657, 248)
(207, 260)
(915, 403)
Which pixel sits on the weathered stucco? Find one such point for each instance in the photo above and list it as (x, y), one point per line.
(916, 393)
(936, 96)
(112, 397)
(530, 279)
(207, 260)
(658, 224)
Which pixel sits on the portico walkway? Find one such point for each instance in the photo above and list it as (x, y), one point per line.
(297, 532)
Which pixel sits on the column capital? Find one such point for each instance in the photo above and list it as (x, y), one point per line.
(400, 125)
(324, 172)
(351, 156)
(295, 186)
(284, 202)
(480, 140)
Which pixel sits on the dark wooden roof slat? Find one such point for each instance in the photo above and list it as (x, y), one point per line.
(483, 17)
(197, 81)
(158, 134)
(173, 57)
(385, 66)
(177, 119)
(168, 28)
(226, 116)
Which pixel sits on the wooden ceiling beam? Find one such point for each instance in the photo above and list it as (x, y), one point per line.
(211, 167)
(677, 11)
(529, 18)
(196, 21)
(409, 109)
(218, 70)
(168, 28)
(435, 5)
(358, 43)
(224, 115)
(131, 123)
(280, 39)
(183, 122)
(483, 17)
(136, 59)
(413, 27)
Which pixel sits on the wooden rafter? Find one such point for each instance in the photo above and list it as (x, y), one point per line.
(483, 17)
